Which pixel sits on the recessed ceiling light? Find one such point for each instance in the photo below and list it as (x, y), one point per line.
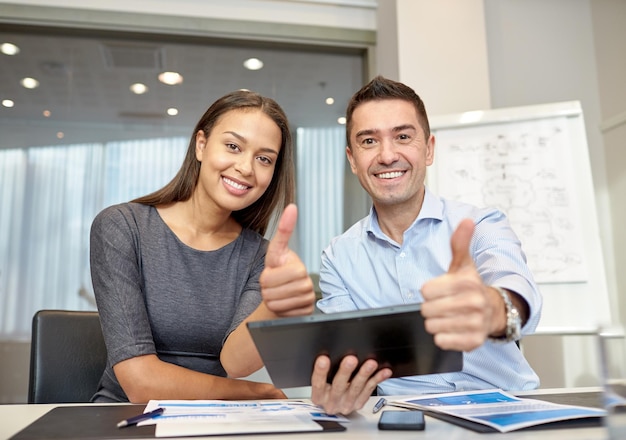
(46, 113)
(138, 88)
(330, 100)
(9, 49)
(172, 111)
(253, 64)
(171, 78)
(60, 135)
(341, 120)
(29, 83)
(8, 103)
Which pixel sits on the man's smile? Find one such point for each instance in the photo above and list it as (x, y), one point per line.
(390, 174)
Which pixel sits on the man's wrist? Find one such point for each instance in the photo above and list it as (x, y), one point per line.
(513, 322)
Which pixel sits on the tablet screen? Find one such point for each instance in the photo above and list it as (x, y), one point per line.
(394, 336)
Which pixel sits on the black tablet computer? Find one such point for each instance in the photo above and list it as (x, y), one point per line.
(394, 336)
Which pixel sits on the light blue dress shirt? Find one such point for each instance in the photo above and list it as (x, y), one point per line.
(363, 268)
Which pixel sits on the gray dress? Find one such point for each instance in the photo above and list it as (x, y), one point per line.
(156, 295)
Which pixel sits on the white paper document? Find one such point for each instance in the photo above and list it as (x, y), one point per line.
(218, 417)
(497, 409)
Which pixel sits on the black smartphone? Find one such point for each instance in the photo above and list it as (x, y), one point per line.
(402, 420)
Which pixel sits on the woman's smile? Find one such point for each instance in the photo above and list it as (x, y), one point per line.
(234, 186)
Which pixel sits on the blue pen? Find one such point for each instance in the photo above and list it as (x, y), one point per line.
(141, 418)
(381, 402)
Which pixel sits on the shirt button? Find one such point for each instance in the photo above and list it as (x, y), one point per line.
(409, 295)
(402, 254)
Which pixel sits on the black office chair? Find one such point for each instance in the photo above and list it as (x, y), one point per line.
(67, 356)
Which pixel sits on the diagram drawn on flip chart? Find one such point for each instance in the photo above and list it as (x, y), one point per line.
(532, 163)
(525, 170)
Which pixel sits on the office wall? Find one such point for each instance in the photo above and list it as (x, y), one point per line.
(447, 60)
(609, 28)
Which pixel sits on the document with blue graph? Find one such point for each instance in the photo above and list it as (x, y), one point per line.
(496, 410)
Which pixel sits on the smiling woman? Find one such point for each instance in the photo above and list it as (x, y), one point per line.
(178, 272)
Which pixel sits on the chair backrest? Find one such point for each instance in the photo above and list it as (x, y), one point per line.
(67, 356)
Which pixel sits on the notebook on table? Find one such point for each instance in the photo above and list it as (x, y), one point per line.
(92, 421)
(86, 422)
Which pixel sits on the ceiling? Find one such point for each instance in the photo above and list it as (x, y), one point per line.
(85, 79)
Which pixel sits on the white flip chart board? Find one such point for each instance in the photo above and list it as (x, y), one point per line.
(532, 163)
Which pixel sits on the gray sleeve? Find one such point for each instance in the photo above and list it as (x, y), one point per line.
(251, 295)
(116, 278)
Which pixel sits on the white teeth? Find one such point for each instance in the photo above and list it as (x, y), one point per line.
(392, 175)
(234, 184)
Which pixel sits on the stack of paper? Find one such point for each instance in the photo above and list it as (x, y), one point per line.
(218, 417)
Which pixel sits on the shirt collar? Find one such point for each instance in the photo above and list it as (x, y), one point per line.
(432, 208)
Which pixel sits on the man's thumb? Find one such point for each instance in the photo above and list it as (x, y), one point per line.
(460, 244)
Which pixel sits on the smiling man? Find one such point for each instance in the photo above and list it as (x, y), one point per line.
(464, 264)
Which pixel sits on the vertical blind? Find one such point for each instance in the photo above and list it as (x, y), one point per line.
(320, 170)
(48, 199)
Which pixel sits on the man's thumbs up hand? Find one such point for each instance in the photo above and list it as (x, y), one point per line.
(458, 307)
